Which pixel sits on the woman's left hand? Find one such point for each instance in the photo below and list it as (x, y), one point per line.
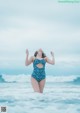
(52, 53)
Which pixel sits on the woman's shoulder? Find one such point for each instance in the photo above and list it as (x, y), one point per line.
(33, 58)
(45, 58)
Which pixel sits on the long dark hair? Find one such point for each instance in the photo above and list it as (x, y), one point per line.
(43, 54)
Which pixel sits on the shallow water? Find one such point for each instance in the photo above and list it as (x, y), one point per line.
(58, 97)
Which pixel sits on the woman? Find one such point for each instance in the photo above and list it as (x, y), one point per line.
(38, 76)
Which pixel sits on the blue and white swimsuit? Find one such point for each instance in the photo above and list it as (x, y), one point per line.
(39, 73)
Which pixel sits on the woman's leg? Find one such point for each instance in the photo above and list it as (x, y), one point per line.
(41, 85)
(35, 85)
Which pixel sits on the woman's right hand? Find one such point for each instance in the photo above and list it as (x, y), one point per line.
(27, 52)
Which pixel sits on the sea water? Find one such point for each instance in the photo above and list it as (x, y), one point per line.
(61, 94)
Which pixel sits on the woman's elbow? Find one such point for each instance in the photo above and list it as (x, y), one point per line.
(26, 64)
(53, 63)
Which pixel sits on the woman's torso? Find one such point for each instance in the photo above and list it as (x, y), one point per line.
(39, 66)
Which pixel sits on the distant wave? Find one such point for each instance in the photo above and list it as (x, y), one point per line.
(2, 79)
(49, 78)
(77, 80)
(15, 78)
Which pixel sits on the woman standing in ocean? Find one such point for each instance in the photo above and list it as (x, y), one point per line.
(38, 76)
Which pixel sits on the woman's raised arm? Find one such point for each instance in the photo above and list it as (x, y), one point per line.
(28, 60)
(51, 61)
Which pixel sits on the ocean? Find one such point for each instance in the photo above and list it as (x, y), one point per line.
(61, 94)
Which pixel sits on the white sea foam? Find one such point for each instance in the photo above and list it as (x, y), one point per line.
(57, 98)
(49, 78)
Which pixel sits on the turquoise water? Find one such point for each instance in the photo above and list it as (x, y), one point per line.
(61, 95)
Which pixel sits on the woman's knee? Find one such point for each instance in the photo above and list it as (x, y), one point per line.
(37, 91)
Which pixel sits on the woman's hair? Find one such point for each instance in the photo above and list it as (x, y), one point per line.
(43, 54)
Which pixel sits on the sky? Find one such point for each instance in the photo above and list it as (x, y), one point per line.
(33, 24)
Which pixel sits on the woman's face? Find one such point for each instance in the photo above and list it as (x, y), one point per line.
(40, 52)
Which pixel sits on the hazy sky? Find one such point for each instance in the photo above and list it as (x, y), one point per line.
(37, 24)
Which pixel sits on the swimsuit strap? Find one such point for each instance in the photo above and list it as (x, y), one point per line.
(37, 61)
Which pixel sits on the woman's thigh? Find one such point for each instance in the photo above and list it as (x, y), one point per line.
(35, 84)
(42, 84)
